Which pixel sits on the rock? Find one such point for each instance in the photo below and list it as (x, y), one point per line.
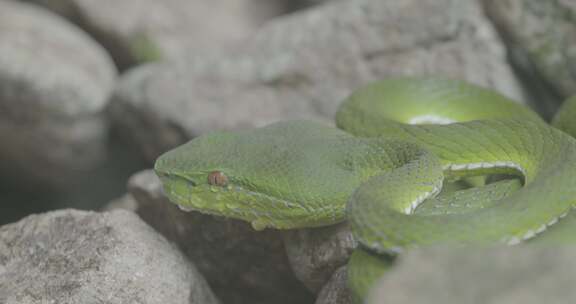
(316, 253)
(336, 290)
(125, 202)
(303, 65)
(541, 36)
(135, 31)
(54, 84)
(240, 264)
(290, 6)
(492, 276)
(71, 256)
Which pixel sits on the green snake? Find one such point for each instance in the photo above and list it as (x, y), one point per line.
(413, 162)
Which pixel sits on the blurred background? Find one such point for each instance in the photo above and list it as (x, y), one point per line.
(93, 91)
(60, 64)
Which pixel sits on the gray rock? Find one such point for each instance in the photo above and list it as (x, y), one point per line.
(541, 36)
(490, 276)
(290, 6)
(316, 253)
(142, 30)
(336, 290)
(74, 256)
(54, 84)
(303, 65)
(240, 264)
(125, 202)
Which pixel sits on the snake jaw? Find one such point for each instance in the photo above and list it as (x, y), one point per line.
(218, 194)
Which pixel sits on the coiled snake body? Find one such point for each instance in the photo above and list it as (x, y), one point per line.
(400, 168)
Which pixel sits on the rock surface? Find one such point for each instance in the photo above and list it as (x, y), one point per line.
(142, 30)
(316, 253)
(71, 256)
(336, 290)
(240, 264)
(541, 36)
(497, 276)
(54, 84)
(303, 65)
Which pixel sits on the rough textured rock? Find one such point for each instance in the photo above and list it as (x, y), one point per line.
(54, 84)
(316, 253)
(496, 276)
(336, 290)
(142, 30)
(74, 256)
(541, 36)
(303, 65)
(240, 264)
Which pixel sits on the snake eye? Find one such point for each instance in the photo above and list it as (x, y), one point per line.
(217, 178)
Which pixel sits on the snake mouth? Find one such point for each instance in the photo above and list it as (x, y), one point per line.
(189, 195)
(178, 189)
(236, 201)
(198, 195)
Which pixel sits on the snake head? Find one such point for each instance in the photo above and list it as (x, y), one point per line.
(284, 175)
(199, 176)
